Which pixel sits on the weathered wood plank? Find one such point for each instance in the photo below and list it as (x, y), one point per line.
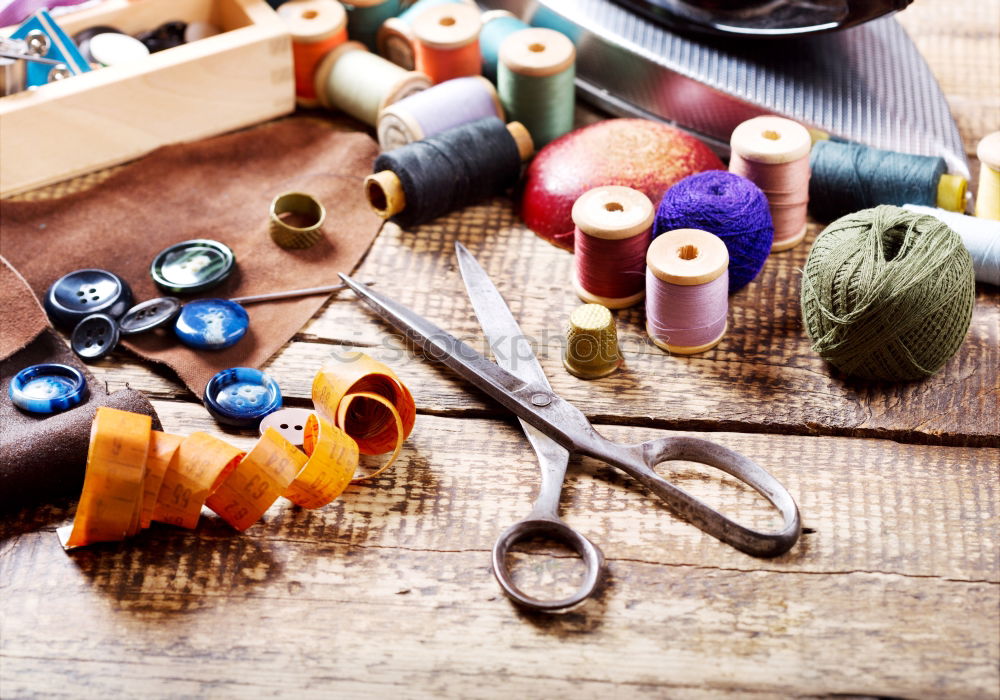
(388, 591)
(762, 377)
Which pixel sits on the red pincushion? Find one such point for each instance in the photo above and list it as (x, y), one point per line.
(646, 155)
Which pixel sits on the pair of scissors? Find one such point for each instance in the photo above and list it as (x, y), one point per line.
(555, 428)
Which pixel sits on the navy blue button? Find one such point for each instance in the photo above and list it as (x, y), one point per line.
(48, 388)
(211, 324)
(241, 396)
(94, 337)
(79, 294)
(192, 266)
(149, 314)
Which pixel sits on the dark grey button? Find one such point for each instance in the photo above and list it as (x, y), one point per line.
(149, 314)
(94, 337)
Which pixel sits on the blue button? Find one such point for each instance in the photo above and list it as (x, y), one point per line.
(94, 337)
(79, 294)
(241, 396)
(149, 314)
(211, 324)
(48, 388)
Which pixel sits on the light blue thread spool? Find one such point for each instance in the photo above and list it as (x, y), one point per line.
(535, 82)
(365, 17)
(497, 26)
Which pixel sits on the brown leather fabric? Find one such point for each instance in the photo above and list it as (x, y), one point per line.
(43, 457)
(21, 316)
(219, 188)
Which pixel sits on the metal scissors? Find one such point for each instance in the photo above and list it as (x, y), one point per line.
(555, 428)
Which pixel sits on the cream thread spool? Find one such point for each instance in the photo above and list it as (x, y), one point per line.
(448, 42)
(687, 284)
(339, 87)
(613, 227)
(437, 109)
(317, 27)
(535, 80)
(773, 153)
(988, 197)
(395, 40)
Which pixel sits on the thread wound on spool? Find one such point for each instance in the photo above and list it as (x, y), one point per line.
(613, 227)
(848, 177)
(497, 26)
(452, 169)
(437, 109)
(687, 285)
(773, 153)
(981, 237)
(988, 197)
(365, 17)
(448, 42)
(317, 27)
(535, 81)
(729, 206)
(887, 294)
(338, 86)
(395, 40)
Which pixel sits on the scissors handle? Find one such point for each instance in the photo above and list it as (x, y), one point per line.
(550, 526)
(639, 461)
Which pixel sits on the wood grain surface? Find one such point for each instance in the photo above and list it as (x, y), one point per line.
(892, 591)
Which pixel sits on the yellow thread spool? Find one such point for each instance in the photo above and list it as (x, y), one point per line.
(988, 199)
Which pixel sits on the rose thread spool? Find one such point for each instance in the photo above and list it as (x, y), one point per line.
(535, 80)
(988, 197)
(448, 42)
(687, 285)
(365, 17)
(773, 153)
(317, 27)
(384, 83)
(395, 40)
(422, 180)
(437, 109)
(612, 230)
(848, 177)
(497, 26)
(731, 207)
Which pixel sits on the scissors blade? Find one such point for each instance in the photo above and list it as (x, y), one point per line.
(510, 347)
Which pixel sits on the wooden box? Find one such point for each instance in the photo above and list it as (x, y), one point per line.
(110, 115)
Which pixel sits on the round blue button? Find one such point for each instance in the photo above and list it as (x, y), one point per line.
(211, 324)
(79, 294)
(241, 396)
(48, 388)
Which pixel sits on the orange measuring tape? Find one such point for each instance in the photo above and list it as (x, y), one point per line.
(136, 474)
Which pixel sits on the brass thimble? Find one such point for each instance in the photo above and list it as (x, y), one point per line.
(296, 220)
(592, 343)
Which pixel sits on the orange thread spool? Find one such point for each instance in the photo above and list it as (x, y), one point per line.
(448, 42)
(317, 27)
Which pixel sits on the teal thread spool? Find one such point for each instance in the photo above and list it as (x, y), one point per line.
(497, 26)
(365, 17)
(395, 39)
(535, 82)
(887, 294)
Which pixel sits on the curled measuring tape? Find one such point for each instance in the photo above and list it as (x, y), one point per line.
(136, 474)
(366, 400)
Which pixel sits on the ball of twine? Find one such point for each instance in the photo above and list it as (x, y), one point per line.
(887, 294)
(731, 207)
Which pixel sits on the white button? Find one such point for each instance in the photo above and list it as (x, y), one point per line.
(290, 422)
(113, 49)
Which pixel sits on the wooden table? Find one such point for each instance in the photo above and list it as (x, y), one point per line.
(893, 590)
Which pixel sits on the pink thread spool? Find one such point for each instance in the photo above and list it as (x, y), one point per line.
(773, 153)
(687, 290)
(613, 229)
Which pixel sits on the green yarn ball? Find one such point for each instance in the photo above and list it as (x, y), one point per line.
(888, 294)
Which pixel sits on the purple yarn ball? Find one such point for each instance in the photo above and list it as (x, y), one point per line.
(731, 207)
